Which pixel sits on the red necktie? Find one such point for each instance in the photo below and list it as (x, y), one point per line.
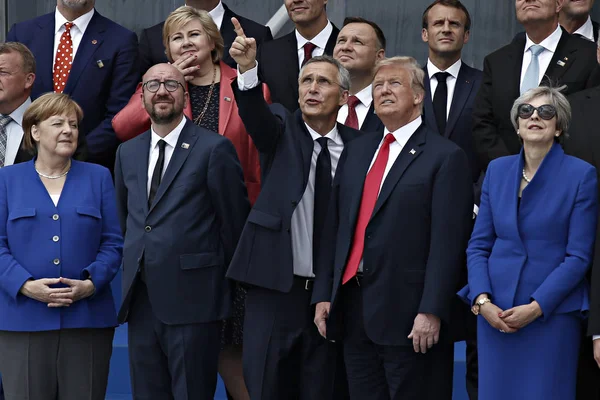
(64, 59)
(367, 205)
(308, 49)
(352, 118)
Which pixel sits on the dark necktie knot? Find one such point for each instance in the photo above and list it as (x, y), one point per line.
(323, 142)
(353, 101)
(308, 50)
(161, 145)
(441, 76)
(440, 101)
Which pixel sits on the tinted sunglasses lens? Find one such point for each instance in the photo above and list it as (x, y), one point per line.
(546, 111)
(525, 111)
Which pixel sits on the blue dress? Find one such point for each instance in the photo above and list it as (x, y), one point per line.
(538, 250)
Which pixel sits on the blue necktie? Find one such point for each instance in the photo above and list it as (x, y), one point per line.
(532, 75)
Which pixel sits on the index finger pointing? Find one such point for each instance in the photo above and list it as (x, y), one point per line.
(237, 27)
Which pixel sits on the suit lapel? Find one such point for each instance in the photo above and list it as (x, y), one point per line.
(428, 104)
(563, 58)
(372, 123)
(90, 42)
(331, 41)
(462, 90)
(180, 154)
(225, 98)
(306, 145)
(409, 153)
(227, 31)
(291, 58)
(46, 49)
(513, 68)
(142, 173)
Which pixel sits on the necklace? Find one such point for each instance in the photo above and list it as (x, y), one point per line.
(210, 92)
(53, 176)
(526, 177)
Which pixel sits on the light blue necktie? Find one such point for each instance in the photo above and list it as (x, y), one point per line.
(532, 75)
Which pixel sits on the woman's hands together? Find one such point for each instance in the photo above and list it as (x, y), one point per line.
(41, 290)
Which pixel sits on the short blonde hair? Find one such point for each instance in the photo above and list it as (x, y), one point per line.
(44, 107)
(184, 15)
(417, 75)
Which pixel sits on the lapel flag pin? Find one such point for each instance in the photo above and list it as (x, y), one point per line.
(412, 151)
(228, 99)
(561, 63)
(185, 146)
(100, 64)
(94, 41)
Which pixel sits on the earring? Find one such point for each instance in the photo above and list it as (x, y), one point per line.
(518, 134)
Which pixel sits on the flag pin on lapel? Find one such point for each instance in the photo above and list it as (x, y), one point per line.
(412, 151)
(561, 63)
(100, 64)
(185, 146)
(228, 99)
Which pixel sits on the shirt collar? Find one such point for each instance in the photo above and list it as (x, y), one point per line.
(453, 70)
(332, 134)
(366, 96)
(217, 14)
(81, 23)
(320, 40)
(550, 43)
(17, 115)
(171, 138)
(586, 30)
(404, 133)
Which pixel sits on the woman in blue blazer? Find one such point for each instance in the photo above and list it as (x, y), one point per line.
(60, 247)
(528, 257)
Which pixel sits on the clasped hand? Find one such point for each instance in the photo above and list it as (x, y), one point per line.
(40, 290)
(513, 319)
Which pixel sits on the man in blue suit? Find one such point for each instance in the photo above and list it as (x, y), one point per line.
(89, 57)
(399, 220)
(182, 204)
(451, 87)
(284, 355)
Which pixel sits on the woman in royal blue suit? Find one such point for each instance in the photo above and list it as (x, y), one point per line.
(60, 247)
(528, 256)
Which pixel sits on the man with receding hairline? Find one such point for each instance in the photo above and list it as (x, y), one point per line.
(575, 18)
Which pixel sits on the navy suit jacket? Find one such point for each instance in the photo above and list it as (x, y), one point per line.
(542, 248)
(415, 240)
(264, 255)
(103, 77)
(187, 238)
(372, 123)
(77, 239)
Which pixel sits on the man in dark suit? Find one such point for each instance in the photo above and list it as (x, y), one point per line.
(450, 90)
(584, 143)
(545, 54)
(575, 18)
(182, 204)
(280, 60)
(284, 355)
(152, 49)
(360, 45)
(399, 218)
(97, 67)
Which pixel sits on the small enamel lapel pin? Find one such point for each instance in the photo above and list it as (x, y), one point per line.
(185, 146)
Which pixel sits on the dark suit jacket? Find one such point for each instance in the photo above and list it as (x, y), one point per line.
(415, 241)
(372, 123)
(264, 254)
(103, 77)
(152, 49)
(585, 144)
(596, 28)
(573, 64)
(278, 67)
(186, 239)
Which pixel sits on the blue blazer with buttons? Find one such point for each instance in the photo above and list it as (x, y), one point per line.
(79, 238)
(541, 248)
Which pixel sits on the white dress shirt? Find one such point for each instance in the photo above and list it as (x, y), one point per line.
(171, 140)
(586, 30)
(217, 14)
(362, 108)
(544, 58)
(77, 31)
(453, 70)
(320, 41)
(14, 133)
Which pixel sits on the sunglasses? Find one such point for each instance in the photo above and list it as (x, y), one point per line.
(545, 111)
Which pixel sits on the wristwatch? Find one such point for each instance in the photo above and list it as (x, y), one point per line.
(478, 304)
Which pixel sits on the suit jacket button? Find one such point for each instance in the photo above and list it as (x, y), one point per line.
(55, 238)
(148, 228)
(55, 217)
(56, 261)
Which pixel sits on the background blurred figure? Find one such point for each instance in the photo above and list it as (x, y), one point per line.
(89, 57)
(528, 256)
(60, 247)
(575, 18)
(153, 51)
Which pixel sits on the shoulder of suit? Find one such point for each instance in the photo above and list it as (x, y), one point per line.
(204, 134)
(503, 162)
(114, 28)
(252, 28)
(273, 45)
(91, 168)
(576, 165)
(155, 29)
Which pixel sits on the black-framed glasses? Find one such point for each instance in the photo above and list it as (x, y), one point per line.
(171, 85)
(545, 111)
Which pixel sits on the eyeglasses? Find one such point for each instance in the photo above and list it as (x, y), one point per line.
(171, 85)
(546, 111)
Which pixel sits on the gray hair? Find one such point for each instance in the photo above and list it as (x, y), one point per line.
(417, 75)
(556, 98)
(343, 74)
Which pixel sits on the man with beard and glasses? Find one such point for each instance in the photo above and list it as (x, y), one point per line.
(182, 204)
(575, 18)
(89, 57)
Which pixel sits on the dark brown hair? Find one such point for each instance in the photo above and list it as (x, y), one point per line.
(448, 3)
(376, 28)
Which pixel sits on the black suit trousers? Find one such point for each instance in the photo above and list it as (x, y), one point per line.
(588, 373)
(381, 372)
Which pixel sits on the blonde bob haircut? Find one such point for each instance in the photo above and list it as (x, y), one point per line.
(184, 15)
(44, 107)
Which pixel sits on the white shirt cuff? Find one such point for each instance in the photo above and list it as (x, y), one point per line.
(249, 79)
(595, 337)
(475, 210)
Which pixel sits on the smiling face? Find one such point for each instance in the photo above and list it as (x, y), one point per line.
(320, 95)
(357, 48)
(56, 135)
(577, 8)
(163, 106)
(531, 11)
(535, 129)
(445, 32)
(191, 39)
(393, 96)
(305, 12)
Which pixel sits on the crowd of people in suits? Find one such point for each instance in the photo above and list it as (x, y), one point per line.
(308, 217)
